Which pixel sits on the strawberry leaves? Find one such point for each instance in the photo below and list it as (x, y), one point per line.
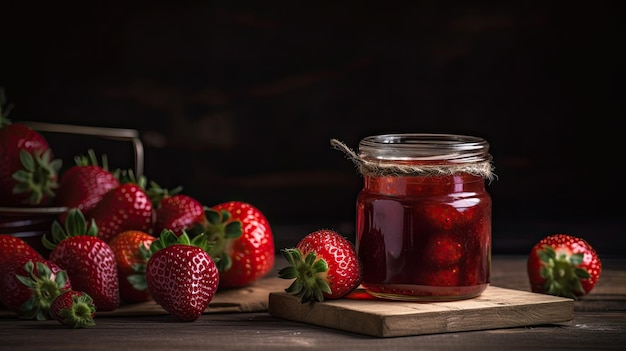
(563, 265)
(324, 265)
(219, 229)
(75, 225)
(44, 285)
(37, 178)
(562, 273)
(299, 267)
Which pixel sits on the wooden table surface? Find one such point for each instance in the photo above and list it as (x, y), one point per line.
(599, 323)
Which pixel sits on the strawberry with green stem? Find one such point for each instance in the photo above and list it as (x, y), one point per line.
(324, 265)
(242, 240)
(126, 207)
(83, 185)
(131, 249)
(175, 211)
(29, 284)
(74, 309)
(180, 275)
(89, 260)
(563, 265)
(28, 169)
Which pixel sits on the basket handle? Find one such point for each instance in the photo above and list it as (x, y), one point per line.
(130, 135)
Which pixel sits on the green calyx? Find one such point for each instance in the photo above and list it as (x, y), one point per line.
(80, 313)
(220, 229)
(138, 278)
(75, 225)
(309, 273)
(169, 238)
(92, 160)
(562, 273)
(44, 287)
(156, 193)
(38, 176)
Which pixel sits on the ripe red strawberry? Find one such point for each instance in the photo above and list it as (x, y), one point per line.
(89, 261)
(177, 213)
(12, 245)
(129, 248)
(74, 309)
(28, 170)
(181, 276)
(563, 265)
(243, 242)
(446, 217)
(324, 265)
(126, 207)
(443, 251)
(83, 185)
(29, 284)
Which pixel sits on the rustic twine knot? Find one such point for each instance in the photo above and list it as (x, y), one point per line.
(386, 168)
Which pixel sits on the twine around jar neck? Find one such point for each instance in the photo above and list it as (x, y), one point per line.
(377, 168)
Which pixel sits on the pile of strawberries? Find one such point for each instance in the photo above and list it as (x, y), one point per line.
(122, 240)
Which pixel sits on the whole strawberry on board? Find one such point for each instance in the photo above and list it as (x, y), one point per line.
(28, 169)
(83, 185)
(130, 248)
(126, 207)
(242, 240)
(89, 260)
(563, 265)
(181, 276)
(29, 284)
(74, 309)
(325, 266)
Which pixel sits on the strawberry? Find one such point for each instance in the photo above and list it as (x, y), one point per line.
(12, 245)
(243, 242)
(28, 170)
(83, 185)
(444, 251)
(563, 265)
(177, 213)
(324, 265)
(74, 309)
(181, 276)
(128, 247)
(29, 284)
(89, 260)
(126, 207)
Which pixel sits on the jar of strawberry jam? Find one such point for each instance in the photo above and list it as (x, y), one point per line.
(423, 226)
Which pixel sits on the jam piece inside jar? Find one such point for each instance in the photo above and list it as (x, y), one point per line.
(424, 238)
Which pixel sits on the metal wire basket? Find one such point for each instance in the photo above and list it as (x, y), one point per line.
(30, 223)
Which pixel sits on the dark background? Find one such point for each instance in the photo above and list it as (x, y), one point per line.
(239, 100)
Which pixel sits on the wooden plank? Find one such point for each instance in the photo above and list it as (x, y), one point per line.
(249, 299)
(495, 308)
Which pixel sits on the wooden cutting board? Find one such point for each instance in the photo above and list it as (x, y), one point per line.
(495, 308)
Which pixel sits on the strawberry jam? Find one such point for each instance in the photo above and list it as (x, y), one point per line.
(424, 217)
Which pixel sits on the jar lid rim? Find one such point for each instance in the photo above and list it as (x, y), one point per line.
(456, 141)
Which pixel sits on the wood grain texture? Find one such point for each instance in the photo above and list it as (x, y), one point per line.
(253, 298)
(495, 308)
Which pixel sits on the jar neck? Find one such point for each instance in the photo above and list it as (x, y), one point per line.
(417, 186)
(423, 155)
(422, 148)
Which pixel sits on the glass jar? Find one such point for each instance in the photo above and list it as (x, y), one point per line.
(423, 226)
